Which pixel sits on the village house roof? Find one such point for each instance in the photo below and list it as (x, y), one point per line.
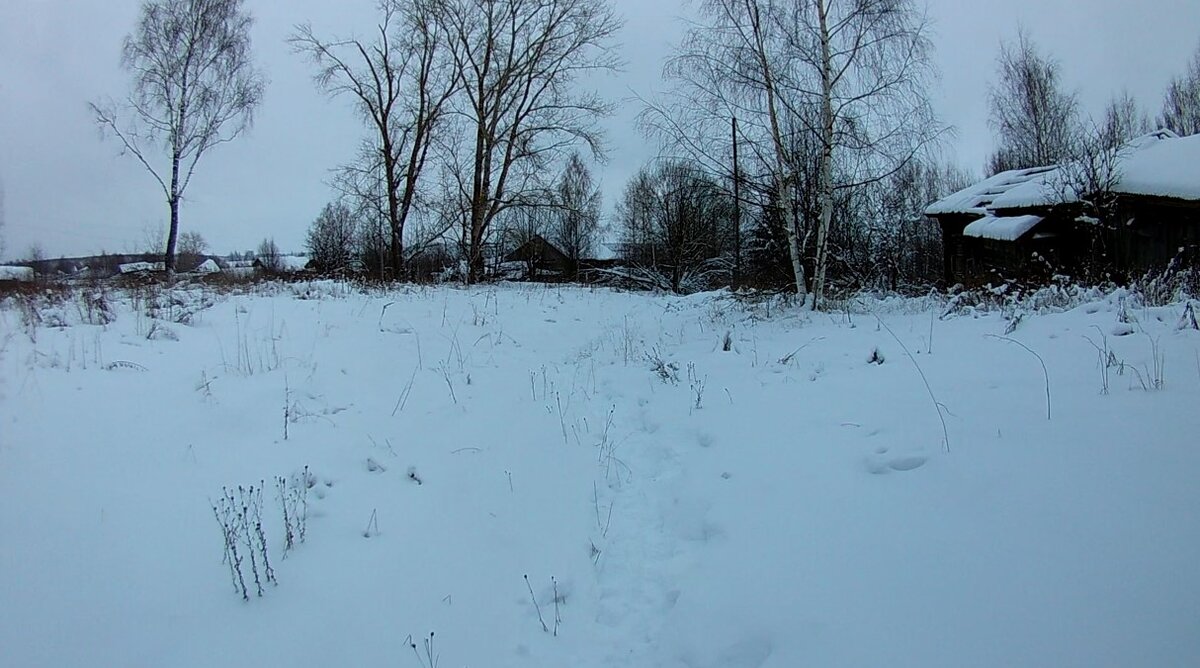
(287, 264)
(293, 262)
(536, 247)
(139, 267)
(977, 198)
(1167, 168)
(209, 266)
(1158, 164)
(17, 274)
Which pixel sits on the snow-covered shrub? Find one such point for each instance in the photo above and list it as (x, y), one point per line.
(321, 289)
(160, 332)
(94, 307)
(180, 303)
(763, 305)
(667, 372)
(1013, 301)
(1173, 284)
(55, 307)
(705, 276)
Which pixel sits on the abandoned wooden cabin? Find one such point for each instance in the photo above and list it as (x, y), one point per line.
(1030, 224)
(540, 257)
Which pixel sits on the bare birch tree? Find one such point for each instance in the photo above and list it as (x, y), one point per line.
(194, 87)
(851, 74)
(519, 107)
(1035, 120)
(1123, 120)
(1181, 102)
(576, 222)
(400, 83)
(727, 66)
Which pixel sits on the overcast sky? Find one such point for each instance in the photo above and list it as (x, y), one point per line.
(69, 191)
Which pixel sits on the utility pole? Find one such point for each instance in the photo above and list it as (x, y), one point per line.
(737, 213)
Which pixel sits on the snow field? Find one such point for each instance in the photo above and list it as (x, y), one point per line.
(784, 502)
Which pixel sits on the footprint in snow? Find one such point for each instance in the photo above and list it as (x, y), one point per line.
(375, 467)
(908, 462)
(882, 461)
(746, 653)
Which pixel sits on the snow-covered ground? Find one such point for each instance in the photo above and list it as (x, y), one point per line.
(791, 501)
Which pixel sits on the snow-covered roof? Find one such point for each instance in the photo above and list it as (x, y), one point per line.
(23, 274)
(239, 271)
(1045, 189)
(607, 250)
(1168, 168)
(978, 198)
(287, 263)
(1159, 164)
(209, 266)
(1007, 228)
(292, 262)
(135, 267)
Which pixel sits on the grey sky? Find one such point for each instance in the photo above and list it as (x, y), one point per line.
(73, 194)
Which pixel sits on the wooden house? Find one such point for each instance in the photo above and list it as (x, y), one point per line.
(1031, 223)
(539, 256)
(282, 265)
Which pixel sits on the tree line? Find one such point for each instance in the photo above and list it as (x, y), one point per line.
(478, 129)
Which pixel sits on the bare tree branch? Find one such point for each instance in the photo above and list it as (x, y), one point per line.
(518, 109)
(401, 84)
(830, 97)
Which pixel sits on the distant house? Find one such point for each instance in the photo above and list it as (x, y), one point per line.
(209, 266)
(1027, 224)
(238, 269)
(134, 268)
(539, 256)
(604, 255)
(9, 274)
(428, 261)
(95, 267)
(184, 264)
(282, 264)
